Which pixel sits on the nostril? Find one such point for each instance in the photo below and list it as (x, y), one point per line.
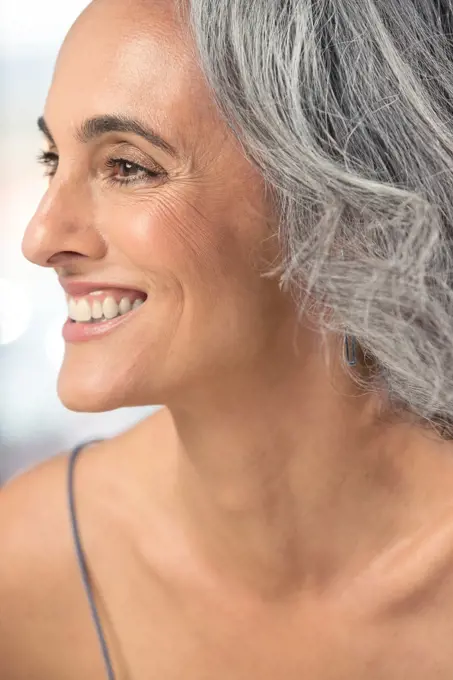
(64, 257)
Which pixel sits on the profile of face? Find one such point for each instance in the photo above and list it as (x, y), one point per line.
(150, 198)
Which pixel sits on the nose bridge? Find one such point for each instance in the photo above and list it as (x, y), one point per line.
(63, 222)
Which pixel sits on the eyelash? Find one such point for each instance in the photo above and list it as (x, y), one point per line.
(49, 160)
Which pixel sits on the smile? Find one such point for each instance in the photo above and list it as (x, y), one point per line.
(99, 312)
(101, 306)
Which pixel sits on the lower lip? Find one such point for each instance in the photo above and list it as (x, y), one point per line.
(82, 332)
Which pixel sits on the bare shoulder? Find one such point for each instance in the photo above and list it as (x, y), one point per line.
(32, 509)
(43, 604)
(40, 589)
(34, 548)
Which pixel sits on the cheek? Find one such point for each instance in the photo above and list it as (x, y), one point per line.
(168, 233)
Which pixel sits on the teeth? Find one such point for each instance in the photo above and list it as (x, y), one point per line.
(84, 310)
(96, 310)
(79, 311)
(110, 308)
(125, 306)
(72, 309)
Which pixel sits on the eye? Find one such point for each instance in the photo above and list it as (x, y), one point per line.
(49, 160)
(129, 172)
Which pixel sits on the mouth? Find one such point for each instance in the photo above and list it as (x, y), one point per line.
(100, 311)
(103, 305)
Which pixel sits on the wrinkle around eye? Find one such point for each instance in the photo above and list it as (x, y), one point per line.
(189, 227)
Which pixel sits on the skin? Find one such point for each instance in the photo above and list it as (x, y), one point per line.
(266, 523)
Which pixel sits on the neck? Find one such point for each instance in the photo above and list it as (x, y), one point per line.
(284, 480)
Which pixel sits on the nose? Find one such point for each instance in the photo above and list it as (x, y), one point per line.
(62, 228)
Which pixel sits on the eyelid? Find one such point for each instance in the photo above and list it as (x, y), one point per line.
(111, 162)
(46, 157)
(117, 149)
(50, 160)
(107, 158)
(128, 152)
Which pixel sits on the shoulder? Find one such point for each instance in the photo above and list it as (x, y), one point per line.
(33, 542)
(31, 510)
(38, 570)
(43, 605)
(35, 516)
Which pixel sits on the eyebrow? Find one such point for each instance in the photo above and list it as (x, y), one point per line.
(95, 127)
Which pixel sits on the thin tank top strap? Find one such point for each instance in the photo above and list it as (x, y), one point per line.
(81, 559)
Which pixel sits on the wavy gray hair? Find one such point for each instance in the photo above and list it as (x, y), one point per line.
(346, 106)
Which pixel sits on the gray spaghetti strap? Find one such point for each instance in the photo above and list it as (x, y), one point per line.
(82, 562)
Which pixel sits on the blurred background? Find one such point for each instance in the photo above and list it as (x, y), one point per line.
(33, 423)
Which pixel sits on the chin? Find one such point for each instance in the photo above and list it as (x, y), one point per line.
(81, 398)
(84, 387)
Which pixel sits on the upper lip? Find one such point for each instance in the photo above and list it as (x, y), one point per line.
(74, 288)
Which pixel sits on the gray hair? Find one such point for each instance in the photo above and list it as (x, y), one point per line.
(346, 107)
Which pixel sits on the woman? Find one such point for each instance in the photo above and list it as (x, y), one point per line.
(238, 193)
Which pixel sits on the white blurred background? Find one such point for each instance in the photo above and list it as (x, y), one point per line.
(33, 423)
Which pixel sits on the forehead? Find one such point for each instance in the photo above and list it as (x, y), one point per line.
(132, 57)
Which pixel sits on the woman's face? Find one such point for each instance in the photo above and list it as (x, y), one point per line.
(181, 219)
